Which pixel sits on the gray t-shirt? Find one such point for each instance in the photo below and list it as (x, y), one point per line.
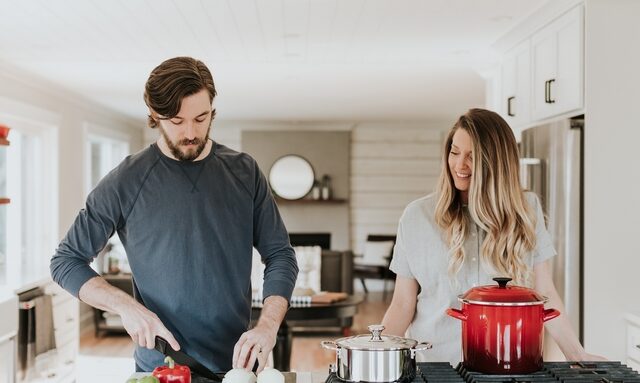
(422, 254)
(188, 230)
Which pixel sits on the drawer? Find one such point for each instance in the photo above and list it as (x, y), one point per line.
(68, 353)
(64, 338)
(66, 316)
(633, 342)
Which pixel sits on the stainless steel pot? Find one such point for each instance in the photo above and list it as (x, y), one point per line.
(375, 358)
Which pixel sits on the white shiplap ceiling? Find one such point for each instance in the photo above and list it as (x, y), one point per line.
(271, 59)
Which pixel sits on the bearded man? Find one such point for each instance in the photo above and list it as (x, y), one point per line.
(188, 211)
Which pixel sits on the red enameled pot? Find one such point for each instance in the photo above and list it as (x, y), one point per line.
(502, 328)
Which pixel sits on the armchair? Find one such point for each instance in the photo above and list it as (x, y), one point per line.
(336, 274)
(374, 263)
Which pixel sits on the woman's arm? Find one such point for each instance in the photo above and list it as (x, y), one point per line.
(403, 306)
(560, 327)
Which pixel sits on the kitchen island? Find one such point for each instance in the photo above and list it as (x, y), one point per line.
(289, 377)
(583, 372)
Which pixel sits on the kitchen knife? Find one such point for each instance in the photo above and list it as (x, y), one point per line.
(184, 359)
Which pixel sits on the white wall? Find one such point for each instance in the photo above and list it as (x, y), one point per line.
(392, 163)
(612, 178)
(24, 97)
(22, 93)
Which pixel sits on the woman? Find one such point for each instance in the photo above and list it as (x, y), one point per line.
(478, 224)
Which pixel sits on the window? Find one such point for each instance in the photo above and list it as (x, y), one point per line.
(30, 221)
(105, 149)
(3, 208)
(105, 153)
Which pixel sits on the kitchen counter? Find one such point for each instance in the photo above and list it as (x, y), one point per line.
(26, 278)
(289, 377)
(9, 312)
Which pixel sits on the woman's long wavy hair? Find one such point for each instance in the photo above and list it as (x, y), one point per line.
(496, 201)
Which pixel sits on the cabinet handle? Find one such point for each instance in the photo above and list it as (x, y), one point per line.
(638, 346)
(509, 112)
(547, 91)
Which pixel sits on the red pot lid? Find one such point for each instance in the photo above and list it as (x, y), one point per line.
(502, 295)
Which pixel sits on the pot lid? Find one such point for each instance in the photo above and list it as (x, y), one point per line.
(502, 295)
(376, 341)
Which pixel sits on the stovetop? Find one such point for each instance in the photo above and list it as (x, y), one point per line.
(581, 372)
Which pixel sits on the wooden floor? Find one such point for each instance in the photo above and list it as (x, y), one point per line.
(306, 355)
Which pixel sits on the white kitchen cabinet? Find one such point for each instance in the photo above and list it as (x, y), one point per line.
(633, 340)
(558, 61)
(8, 334)
(7, 361)
(59, 365)
(66, 323)
(516, 86)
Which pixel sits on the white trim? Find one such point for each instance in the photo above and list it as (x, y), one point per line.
(97, 133)
(533, 22)
(35, 126)
(55, 91)
(10, 109)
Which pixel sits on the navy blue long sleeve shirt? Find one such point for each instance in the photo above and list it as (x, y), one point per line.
(188, 229)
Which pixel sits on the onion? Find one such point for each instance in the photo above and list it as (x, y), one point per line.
(239, 375)
(270, 375)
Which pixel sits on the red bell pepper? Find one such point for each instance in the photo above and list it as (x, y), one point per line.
(173, 373)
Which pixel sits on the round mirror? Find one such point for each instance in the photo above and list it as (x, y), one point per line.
(291, 177)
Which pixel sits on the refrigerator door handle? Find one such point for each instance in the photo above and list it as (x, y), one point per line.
(526, 174)
(572, 241)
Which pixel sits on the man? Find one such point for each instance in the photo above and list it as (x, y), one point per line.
(188, 212)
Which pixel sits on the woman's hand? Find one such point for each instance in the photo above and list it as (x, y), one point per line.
(592, 358)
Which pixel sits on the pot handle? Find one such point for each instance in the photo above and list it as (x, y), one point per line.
(550, 314)
(422, 346)
(329, 345)
(458, 314)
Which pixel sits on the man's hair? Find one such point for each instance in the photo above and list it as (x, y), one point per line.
(173, 80)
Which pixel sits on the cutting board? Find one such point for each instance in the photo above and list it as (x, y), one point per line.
(289, 377)
(328, 297)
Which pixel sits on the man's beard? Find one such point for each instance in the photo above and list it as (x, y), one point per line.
(191, 154)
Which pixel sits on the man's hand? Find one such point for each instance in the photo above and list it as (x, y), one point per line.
(141, 324)
(257, 343)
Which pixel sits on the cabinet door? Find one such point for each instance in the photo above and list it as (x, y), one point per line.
(7, 361)
(558, 66)
(516, 88)
(570, 91)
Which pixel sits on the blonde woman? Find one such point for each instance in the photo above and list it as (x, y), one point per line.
(478, 224)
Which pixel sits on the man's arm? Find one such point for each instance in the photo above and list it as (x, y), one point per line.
(88, 235)
(257, 343)
(141, 324)
(281, 270)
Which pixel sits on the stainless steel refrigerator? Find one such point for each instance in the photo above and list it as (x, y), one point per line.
(551, 166)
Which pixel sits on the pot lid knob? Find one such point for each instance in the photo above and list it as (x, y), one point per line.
(502, 281)
(376, 330)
